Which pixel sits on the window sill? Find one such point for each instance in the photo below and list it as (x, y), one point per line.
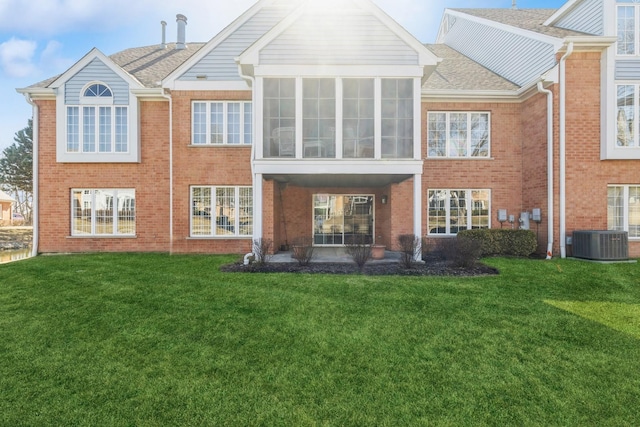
(103, 236)
(219, 237)
(475, 159)
(219, 145)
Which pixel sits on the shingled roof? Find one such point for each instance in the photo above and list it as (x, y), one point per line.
(527, 19)
(458, 72)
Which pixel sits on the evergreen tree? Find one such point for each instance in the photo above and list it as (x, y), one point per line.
(16, 170)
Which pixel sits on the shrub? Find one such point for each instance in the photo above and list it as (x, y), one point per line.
(503, 241)
(409, 245)
(461, 252)
(262, 250)
(360, 250)
(302, 250)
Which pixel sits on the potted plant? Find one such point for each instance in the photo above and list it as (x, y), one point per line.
(378, 248)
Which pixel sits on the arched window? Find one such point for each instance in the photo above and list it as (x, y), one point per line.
(97, 125)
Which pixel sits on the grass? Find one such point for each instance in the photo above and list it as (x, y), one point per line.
(152, 339)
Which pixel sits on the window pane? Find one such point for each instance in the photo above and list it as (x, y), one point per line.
(615, 208)
(217, 122)
(480, 209)
(126, 212)
(245, 206)
(201, 211)
(248, 123)
(225, 210)
(103, 205)
(199, 123)
(397, 118)
(437, 215)
(634, 211)
(319, 118)
(358, 118)
(625, 120)
(279, 118)
(479, 135)
(81, 207)
(457, 211)
(89, 129)
(437, 134)
(122, 130)
(105, 130)
(458, 135)
(626, 30)
(73, 129)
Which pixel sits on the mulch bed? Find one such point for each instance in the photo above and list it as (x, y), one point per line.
(431, 267)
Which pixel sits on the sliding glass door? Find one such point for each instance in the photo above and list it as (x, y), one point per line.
(341, 219)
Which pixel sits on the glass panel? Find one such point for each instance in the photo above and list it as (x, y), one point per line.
(199, 123)
(437, 136)
(201, 211)
(103, 205)
(225, 210)
(217, 122)
(626, 30)
(73, 129)
(437, 214)
(615, 208)
(89, 129)
(245, 206)
(358, 118)
(625, 120)
(104, 139)
(634, 211)
(480, 209)
(126, 211)
(122, 130)
(248, 123)
(319, 118)
(457, 211)
(479, 135)
(233, 123)
(397, 118)
(279, 118)
(458, 135)
(81, 206)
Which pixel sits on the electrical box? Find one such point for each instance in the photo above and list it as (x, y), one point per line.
(512, 219)
(502, 215)
(536, 215)
(524, 220)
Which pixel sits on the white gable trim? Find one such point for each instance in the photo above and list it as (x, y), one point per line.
(170, 80)
(560, 13)
(554, 41)
(93, 54)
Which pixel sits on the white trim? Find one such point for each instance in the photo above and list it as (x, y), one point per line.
(560, 13)
(338, 167)
(257, 206)
(225, 123)
(417, 212)
(191, 85)
(447, 208)
(213, 214)
(343, 194)
(337, 71)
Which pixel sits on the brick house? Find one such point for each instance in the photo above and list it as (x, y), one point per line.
(6, 208)
(333, 122)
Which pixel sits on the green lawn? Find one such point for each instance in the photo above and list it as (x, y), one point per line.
(164, 340)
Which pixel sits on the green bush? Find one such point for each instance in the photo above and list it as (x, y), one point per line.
(501, 241)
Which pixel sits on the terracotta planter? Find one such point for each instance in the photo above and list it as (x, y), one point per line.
(377, 251)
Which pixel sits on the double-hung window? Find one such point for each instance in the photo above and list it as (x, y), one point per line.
(97, 125)
(627, 27)
(623, 209)
(450, 211)
(458, 134)
(221, 211)
(222, 122)
(103, 212)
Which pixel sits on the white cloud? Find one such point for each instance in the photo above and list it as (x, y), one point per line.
(52, 59)
(16, 57)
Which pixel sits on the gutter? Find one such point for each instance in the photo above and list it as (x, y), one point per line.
(563, 149)
(35, 160)
(549, 94)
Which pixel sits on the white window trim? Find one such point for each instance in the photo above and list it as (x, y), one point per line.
(636, 31)
(93, 234)
(448, 142)
(236, 219)
(625, 207)
(225, 119)
(447, 207)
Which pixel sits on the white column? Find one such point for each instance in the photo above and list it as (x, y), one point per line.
(257, 206)
(417, 211)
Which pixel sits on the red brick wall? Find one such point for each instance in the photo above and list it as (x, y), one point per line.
(150, 179)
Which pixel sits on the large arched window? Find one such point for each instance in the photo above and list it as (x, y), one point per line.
(97, 125)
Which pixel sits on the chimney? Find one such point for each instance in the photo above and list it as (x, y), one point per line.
(164, 34)
(182, 26)
(514, 4)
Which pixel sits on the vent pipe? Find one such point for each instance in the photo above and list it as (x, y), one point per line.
(182, 30)
(164, 34)
(514, 4)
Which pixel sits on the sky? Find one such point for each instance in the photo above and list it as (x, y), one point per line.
(43, 38)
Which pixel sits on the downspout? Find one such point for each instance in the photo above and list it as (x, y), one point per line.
(168, 97)
(35, 160)
(562, 146)
(549, 94)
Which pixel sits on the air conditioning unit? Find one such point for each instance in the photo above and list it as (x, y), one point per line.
(601, 245)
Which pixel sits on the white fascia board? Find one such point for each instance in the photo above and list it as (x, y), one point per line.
(149, 94)
(93, 54)
(339, 70)
(38, 92)
(587, 43)
(554, 41)
(210, 85)
(470, 96)
(560, 13)
(440, 32)
(170, 80)
(337, 167)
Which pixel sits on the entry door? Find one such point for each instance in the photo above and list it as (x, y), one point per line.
(339, 219)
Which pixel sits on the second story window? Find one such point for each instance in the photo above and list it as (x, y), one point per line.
(627, 27)
(458, 134)
(96, 125)
(627, 116)
(221, 122)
